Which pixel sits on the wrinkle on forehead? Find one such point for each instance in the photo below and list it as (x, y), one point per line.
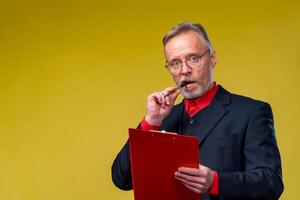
(184, 43)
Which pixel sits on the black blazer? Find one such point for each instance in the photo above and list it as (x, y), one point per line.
(237, 139)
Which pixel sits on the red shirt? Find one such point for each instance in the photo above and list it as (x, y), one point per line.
(192, 107)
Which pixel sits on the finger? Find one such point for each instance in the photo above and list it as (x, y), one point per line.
(202, 167)
(168, 91)
(196, 190)
(162, 97)
(191, 183)
(175, 94)
(156, 97)
(166, 94)
(189, 171)
(171, 96)
(190, 178)
(167, 100)
(192, 186)
(204, 171)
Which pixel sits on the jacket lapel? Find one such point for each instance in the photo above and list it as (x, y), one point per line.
(214, 113)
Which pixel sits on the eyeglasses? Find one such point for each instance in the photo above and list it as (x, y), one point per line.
(192, 60)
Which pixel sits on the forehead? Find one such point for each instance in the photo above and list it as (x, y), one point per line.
(184, 43)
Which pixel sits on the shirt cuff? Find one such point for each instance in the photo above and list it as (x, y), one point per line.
(147, 127)
(214, 190)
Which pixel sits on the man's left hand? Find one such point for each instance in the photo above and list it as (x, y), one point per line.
(197, 180)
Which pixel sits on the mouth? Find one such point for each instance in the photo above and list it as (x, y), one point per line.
(185, 83)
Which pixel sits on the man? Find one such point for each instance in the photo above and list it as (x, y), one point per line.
(239, 154)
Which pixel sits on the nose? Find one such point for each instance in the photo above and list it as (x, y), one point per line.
(185, 69)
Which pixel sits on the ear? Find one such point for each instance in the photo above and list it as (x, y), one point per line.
(213, 57)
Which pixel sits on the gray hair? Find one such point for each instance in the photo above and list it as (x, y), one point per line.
(185, 27)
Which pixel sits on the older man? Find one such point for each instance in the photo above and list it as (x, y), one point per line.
(239, 154)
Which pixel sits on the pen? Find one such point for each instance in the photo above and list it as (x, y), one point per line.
(181, 85)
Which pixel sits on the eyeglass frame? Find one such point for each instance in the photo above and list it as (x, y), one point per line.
(184, 61)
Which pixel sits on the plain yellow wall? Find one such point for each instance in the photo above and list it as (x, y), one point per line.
(75, 74)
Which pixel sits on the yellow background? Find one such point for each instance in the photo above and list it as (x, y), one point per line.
(75, 74)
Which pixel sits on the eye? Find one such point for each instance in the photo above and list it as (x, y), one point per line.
(175, 63)
(193, 58)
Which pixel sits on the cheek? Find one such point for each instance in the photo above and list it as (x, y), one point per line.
(200, 75)
(176, 77)
(203, 74)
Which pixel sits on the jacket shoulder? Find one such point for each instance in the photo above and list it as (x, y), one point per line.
(240, 101)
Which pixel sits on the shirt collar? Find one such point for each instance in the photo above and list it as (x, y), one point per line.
(193, 106)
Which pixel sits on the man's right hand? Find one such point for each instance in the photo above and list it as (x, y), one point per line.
(159, 105)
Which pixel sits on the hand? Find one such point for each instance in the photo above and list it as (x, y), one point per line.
(197, 180)
(159, 105)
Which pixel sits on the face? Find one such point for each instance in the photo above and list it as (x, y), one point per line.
(200, 78)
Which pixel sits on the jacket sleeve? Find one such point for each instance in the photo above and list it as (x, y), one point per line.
(121, 170)
(262, 177)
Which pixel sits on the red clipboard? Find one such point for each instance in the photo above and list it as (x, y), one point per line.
(154, 157)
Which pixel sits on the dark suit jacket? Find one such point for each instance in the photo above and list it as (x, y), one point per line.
(237, 139)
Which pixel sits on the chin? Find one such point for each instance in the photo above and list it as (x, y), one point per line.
(193, 94)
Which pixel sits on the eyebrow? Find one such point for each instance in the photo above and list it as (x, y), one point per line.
(190, 54)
